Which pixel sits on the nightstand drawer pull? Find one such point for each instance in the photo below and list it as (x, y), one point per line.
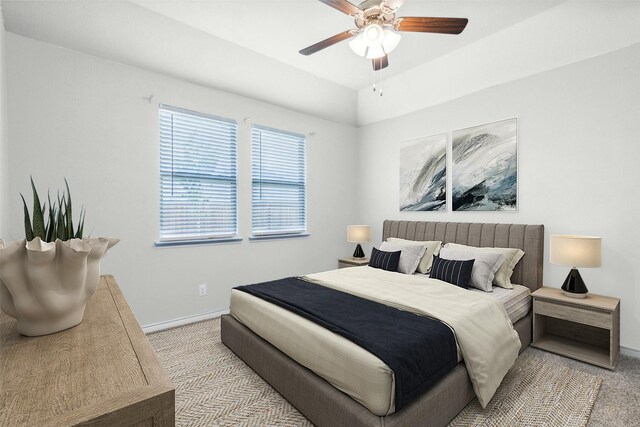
(581, 315)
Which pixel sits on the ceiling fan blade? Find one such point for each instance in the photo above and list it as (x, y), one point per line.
(328, 42)
(393, 4)
(380, 63)
(431, 25)
(343, 6)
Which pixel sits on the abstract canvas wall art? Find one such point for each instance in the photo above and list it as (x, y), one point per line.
(485, 167)
(423, 174)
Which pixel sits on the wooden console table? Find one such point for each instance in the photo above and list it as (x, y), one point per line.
(102, 372)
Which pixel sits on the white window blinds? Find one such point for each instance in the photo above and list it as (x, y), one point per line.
(278, 182)
(198, 176)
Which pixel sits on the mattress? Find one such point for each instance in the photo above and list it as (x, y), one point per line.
(516, 301)
(348, 367)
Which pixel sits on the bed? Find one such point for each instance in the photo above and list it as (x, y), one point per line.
(324, 404)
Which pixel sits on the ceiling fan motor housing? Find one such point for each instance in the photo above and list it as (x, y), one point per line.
(374, 15)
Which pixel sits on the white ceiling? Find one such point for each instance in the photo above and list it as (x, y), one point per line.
(250, 47)
(280, 28)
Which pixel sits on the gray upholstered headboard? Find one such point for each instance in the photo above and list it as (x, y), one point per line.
(529, 238)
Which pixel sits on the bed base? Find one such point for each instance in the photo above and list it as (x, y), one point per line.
(324, 405)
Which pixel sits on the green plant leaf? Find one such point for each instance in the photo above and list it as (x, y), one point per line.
(28, 231)
(69, 213)
(81, 224)
(50, 227)
(58, 216)
(47, 228)
(38, 218)
(61, 229)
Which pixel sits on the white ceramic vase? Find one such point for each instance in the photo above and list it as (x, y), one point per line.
(46, 286)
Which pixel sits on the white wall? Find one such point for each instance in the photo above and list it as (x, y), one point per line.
(80, 117)
(579, 145)
(4, 159)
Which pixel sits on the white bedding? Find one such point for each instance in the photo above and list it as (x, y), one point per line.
(371, 382)
(516, 301)
(345, 365)
(489, 347)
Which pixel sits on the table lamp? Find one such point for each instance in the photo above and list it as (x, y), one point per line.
(358, 234)
(575, 251)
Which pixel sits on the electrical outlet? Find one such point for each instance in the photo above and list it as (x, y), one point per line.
(202, 289)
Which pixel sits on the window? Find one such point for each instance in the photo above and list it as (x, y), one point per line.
(198, 176)
(278, 182)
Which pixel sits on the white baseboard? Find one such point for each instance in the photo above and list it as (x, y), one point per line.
(168, 324)
(630, 352)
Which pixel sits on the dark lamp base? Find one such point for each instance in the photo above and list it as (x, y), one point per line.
(574, 286)
(359, 253)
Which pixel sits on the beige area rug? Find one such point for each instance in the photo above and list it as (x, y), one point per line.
(215, 388)
(536, 392)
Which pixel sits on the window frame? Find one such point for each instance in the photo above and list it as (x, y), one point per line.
(204, 238)
(281, 234)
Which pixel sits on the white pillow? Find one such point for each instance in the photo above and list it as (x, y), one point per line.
(409, 257)
(502, 277)
(433, 247)
(484, 268)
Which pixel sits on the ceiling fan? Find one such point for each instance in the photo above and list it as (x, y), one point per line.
(376, 33)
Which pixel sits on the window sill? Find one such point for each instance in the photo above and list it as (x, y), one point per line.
(277, 237)
(174, 243)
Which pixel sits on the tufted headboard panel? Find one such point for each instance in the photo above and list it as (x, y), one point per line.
(529, 238)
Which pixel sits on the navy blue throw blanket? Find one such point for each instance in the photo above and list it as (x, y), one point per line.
(418, 349)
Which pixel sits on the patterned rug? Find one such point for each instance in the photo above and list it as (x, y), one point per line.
(214, 387)
(536, 392)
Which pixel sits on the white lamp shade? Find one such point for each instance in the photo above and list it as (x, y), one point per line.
(575, 251)
(372, 35)
(374, 52)
(391, 40)
(358, 46)
(374, 42)
(358, 233)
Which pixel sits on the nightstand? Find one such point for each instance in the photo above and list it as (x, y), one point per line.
(350, 261)
(585, 329)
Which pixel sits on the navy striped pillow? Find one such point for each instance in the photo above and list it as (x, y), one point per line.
(385, 260)
(455, 272)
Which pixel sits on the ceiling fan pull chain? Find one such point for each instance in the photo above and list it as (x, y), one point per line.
(374, 80)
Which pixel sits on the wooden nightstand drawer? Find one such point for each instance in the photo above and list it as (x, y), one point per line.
(599, 319)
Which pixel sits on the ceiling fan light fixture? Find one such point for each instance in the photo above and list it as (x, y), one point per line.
(358, 45)
(375, 52)
(373, 35)
(391, 40)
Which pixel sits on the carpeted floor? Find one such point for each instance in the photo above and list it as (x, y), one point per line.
(214, 387)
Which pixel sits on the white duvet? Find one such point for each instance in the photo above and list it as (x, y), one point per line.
(483, 330)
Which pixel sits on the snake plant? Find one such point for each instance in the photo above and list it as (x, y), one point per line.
(58, 215)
